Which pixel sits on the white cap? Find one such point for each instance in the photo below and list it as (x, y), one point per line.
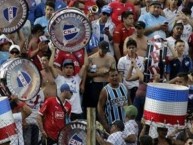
(14, 47)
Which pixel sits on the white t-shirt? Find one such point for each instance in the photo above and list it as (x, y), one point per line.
(131, 127)
(116, 138)
(74, 83)
(123, 66)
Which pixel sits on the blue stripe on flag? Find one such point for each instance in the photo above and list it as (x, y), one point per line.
(167, 95)
(4, 106)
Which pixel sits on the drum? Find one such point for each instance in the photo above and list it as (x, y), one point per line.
(21, 77)
(75, 133)
(7, 124)
(166, 104)
(69, 29)
(13, 14)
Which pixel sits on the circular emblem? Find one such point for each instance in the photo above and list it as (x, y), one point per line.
(73, 134)
(22, 78)
(69, 29)
(13, 14)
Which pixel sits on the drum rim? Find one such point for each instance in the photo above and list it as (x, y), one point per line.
(57, 14)
(20, 97)
(25, 19)
(168, 86)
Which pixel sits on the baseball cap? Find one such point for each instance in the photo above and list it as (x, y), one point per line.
(66, 87)
(4, 40)
(104, 45)
(106, 9)
(131, 110)
(155, 2)
(14, 47)
(43, 38)
(37, 27)
(140, 24)
(68, 62)
(119, 124)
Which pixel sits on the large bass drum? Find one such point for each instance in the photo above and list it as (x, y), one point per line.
(21, 77)
(69, 29)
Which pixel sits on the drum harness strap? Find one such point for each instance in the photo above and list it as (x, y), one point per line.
(66, 116)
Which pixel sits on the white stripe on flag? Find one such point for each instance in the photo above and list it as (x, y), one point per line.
(167, 108)
(6, 119)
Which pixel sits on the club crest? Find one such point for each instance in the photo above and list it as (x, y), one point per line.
(10, 13)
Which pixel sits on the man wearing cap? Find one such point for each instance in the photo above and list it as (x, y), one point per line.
(99, 65)
(154, 21)
(140, 38)
(14, 51)
(53, 114)
(103, 27)
(130, 134)
(37, 47)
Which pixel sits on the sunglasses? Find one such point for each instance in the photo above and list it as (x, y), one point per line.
(14, 52)
(106, 14)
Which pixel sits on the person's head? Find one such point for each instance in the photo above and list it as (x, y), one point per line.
(66, 91)
(155, 8)
(173, 3)
(177, 30)
(131, 47)
(180, 46)
(49, 9)
(103, 48)
(187, 12)
(5, 43)
(182, 78)
(37, 30)
(113, 77)
(131, 112)
(117, 125)
(68, 67)
(123, 1)
(146, 140)
(14, 51)
(105, 12)
(45, 60)
(162, 132)
(127, 18)
(140, 27)
(189, 141)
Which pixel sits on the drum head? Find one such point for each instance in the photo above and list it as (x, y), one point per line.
(23, 79)
(73, 133)
(69, 30)
(13, 14)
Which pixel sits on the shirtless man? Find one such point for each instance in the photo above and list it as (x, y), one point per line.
(99, 65)
(48, 84)
(140, 38)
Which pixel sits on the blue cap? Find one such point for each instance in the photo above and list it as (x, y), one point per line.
(106, 9)
(66, 87)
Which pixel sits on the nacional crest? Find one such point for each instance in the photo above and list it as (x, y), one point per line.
(69, 29)
(13, 14)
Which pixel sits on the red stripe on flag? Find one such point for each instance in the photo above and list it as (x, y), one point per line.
(7, 131)
(162, 118)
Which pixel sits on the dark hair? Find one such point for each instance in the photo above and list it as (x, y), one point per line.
(119, 124)
(186, 11)
(125, 14)
(146, 140)
(179, 41)
(50, 4)
(131, 42)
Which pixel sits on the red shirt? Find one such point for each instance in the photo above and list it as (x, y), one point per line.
(120, 34)
(118, 8)
(53, 115)
(77, 57)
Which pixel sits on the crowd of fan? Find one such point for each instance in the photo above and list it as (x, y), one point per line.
(110, 73)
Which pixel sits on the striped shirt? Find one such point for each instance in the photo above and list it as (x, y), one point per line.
(116, 99)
